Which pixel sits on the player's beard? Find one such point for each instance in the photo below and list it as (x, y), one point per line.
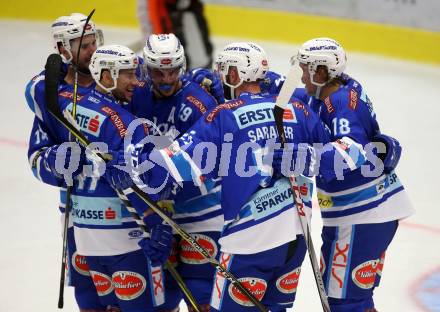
(120, 96)
(84, 70)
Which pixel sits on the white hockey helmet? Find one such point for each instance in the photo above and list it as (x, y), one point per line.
(66, 28)
(112, 58)
(164, 51)
(249, 58)
(326, 52)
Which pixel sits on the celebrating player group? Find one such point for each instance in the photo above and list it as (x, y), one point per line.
(197, 185)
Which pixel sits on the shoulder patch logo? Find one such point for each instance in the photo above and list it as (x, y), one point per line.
(353, 99)
(69, 95)
(197, 103)
(116, 120)
(329, 105)
(215, 111)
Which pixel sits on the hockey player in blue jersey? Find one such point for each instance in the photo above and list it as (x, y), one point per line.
(261, 241)
(165, 98)
(104, 230)
(112, 244)
(44, 140)
(211, 82)
(208, 80)
(171, 102)
(362, 204)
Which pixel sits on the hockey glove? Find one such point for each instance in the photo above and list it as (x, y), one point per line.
(157, 248)
(272, 83)
(117, 178)
(391, 157)
(209, 81)
(294, 160)
(152, 220)
(70, 160)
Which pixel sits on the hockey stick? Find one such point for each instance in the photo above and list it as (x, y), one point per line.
(281, 102)
(168, 265)
(53, 66)
(49, 93)
(54, 109)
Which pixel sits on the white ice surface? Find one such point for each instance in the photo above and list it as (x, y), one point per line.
(406, 99)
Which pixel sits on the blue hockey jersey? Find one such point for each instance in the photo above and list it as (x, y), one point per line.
(195, 209)
(103, 224)
(259, 212)
(357, 193)
(44, 135)
(179, 111)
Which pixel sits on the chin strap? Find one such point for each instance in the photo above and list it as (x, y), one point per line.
(227, 85)
(318, 92)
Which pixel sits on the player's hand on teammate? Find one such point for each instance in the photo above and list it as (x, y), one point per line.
(392, 154)
(293, 160)
(116, 177)
(272, 83)
(157, 248)
(210, 81)
(60, 159)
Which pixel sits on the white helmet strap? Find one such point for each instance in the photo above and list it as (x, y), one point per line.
(232, 87)
(114, 74)
(67, 60)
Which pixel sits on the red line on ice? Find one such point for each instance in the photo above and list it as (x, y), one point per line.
(426, 228)
(413, 290)
(12, 142)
